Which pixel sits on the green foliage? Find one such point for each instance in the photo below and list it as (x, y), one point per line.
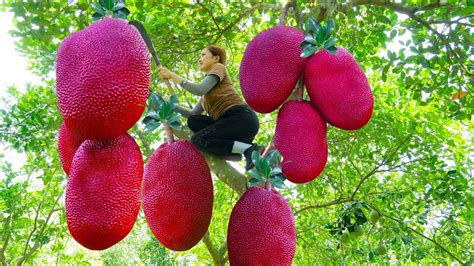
(412, 164)
(161, 111)
(317, 37)
(267, 169)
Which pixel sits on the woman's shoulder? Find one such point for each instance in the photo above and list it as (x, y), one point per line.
(218, 66)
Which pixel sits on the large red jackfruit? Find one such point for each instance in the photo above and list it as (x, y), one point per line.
(177, 195)
(300, 137)
(261, 229)
(102, 79)
(271, 67)
(103, 192)
(68, 143)
(339, 89)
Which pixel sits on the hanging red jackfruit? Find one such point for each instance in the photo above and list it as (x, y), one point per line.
(102, 79)
(261, 230)
(177, 195)
(300, 137)
(68, 143)
(103, 191)
(271, 67)
(339, 89)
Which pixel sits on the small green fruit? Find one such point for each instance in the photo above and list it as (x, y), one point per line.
(381, 249)
(358, 230)
(345, 237)
(374, 216)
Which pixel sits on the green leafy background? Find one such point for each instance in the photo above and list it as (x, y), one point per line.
(412, 163)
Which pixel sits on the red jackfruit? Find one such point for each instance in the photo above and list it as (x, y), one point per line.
(68, 143)
(103, 192)
(339, 89)
(102, 79)
(177, 195)
(300, 137)
(271, 67)
(261, 230)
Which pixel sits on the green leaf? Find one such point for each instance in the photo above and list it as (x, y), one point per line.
(173, 100)
(273, 157)
(150, 124)
(264, 167)
(119, 5)
(312, 25)
(155, 102)
(308, 51)
(330, 42)
(165, 110)
(96, 16)
(175, 125)
(107, 4)
(276, 171)
(332, 50)
(173, 117)
(123, 11)
(277, 182)
(384, 71)
(254, 173)
(391, 55)
(309, 39)
(120, 16)
(254, 182)
(256, 158)
(320, 35)
(329, 28)
(99, 9)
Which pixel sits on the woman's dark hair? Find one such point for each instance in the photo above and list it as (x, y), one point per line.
(218, 51)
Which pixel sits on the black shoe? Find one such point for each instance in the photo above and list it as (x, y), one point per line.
(248, 155)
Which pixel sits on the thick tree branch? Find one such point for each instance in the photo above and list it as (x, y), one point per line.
(220, 167)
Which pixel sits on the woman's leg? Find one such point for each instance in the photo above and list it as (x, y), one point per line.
(199, 122)
(237, 124)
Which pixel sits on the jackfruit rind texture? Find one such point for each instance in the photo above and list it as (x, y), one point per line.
(102, 79)
(339, 89)
(103, 192)
(300, 137)
(270, 67)
(261, 229)
(68, 143)
(178, 195)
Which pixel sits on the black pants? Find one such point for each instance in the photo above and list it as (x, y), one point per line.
(239, 123)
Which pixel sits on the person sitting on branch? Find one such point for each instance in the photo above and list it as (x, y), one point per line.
(231, 125)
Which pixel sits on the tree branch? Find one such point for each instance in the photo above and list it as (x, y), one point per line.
(422, 235)
(36, 245)
(383, 162)
(224, 171)
(216, 257)
(324, 205)
(244, 14)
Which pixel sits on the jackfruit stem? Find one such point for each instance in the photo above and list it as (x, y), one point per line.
(169, 134)
(300, 89)
(268, 185)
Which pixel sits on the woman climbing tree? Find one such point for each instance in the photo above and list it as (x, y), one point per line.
(231, 125)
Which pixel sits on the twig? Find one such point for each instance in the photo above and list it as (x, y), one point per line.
(324, 205)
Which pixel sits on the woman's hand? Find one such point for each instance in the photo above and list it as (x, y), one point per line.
(164, 73)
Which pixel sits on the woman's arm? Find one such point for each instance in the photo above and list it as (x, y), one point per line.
(197, 89)
(202, 88)
(187, 113)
